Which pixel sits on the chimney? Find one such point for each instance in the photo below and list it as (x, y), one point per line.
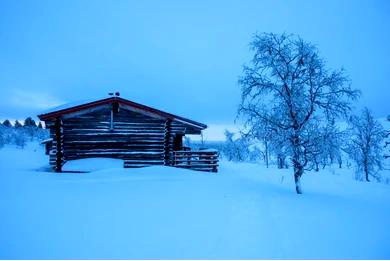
(115, 94)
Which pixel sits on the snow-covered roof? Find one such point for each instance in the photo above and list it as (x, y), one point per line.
(85, 104)
(68, 105)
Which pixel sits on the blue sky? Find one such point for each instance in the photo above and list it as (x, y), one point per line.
(180, 56)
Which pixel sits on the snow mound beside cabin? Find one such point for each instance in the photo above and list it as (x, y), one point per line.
(92, 164)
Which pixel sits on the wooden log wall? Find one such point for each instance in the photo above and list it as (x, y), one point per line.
(53, 153)
(135, 138)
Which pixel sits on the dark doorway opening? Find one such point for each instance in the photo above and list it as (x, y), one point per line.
(178, 142)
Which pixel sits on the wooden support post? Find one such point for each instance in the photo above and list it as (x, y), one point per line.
(59, 145)
(114, 111)
(112, 119)
(167, 137)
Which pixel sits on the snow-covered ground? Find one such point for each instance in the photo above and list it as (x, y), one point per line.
(245, 211)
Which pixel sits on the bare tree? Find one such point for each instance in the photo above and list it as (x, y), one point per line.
(366, 144)
(262, 134)
(288, 88)
(236, 149)
(329, 147)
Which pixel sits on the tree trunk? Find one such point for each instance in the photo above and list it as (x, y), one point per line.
(366, 168)
(280, 162)
(366, 173)
(297, 177)
(298, 167)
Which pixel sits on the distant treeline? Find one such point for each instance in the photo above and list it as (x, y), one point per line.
(20, 133)
(238, 150)
(364, 144)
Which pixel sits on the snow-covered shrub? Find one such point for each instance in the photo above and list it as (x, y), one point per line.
(20, 137)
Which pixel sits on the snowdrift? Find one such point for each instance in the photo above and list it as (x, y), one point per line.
(246, 211)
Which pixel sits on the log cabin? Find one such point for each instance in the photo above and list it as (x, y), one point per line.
(114, 127)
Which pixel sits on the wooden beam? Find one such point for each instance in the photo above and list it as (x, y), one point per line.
(59, 145)
(167, 136)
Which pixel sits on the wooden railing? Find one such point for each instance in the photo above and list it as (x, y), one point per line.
(203, 160)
